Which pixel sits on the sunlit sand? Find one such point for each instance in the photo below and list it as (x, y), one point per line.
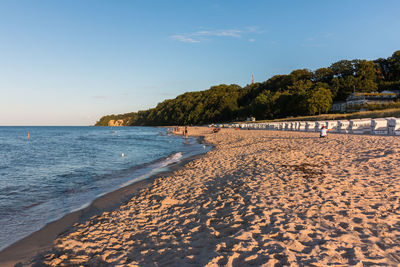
(260, 197)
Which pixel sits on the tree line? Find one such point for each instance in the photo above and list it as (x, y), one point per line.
(302, 92)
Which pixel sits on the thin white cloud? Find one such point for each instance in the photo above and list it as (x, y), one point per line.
(198, 36)
(229, 33)
(251, 40)
(184, 39)
(254, 29)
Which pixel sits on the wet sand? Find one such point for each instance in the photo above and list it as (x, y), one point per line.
(258, 198)
(42, 240)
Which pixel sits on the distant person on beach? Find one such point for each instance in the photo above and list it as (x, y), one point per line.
(186, 132)
(324, 132)
(216, 129)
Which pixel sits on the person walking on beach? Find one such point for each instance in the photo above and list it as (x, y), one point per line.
(324, 132)
(186, 132)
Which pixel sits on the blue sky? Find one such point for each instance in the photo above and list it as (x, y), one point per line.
(70, 62)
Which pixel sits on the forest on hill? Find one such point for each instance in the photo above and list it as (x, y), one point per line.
(301, 93)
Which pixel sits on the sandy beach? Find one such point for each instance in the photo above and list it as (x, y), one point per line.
(258, 198)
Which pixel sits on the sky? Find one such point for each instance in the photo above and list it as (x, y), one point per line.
(70, 62)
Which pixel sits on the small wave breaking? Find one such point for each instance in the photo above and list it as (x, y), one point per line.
(174, 158)
(156, 168)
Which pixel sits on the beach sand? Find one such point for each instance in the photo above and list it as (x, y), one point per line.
(258, 198)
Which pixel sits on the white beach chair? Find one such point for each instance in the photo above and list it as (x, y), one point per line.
(394, 126)
(302, 126)
(380, 126)
(332, 126)
(360, 126)
(310, 126)
(343, 126)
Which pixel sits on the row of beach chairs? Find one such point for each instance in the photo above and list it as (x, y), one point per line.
(379, 126)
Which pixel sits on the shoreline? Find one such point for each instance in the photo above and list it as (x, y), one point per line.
(42, 239)
(261, 198)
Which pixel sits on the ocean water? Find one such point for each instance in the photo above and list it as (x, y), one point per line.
(63, 169)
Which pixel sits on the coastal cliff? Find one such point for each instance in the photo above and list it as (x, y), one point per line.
(116, 123)
(115, 120)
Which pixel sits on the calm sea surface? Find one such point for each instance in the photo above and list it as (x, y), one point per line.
(62, 169)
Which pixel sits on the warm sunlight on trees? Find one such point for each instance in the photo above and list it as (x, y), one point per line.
(302, 92)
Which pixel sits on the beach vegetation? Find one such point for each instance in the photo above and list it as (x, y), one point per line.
(303, 92)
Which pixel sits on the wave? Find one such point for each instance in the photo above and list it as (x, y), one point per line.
(155, 167)
(33, 204)
(140, 173)
(174, 158)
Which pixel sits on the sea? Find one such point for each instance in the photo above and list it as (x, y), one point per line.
(59, 170)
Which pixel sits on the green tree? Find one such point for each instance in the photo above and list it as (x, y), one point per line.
(324, 75)
(262, 105)
(300, 86)
(319, 100)
(366, 76)
(301, 74)
(342, 69)
(394, 66)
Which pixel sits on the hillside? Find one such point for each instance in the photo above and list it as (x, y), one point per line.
(301, 93)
